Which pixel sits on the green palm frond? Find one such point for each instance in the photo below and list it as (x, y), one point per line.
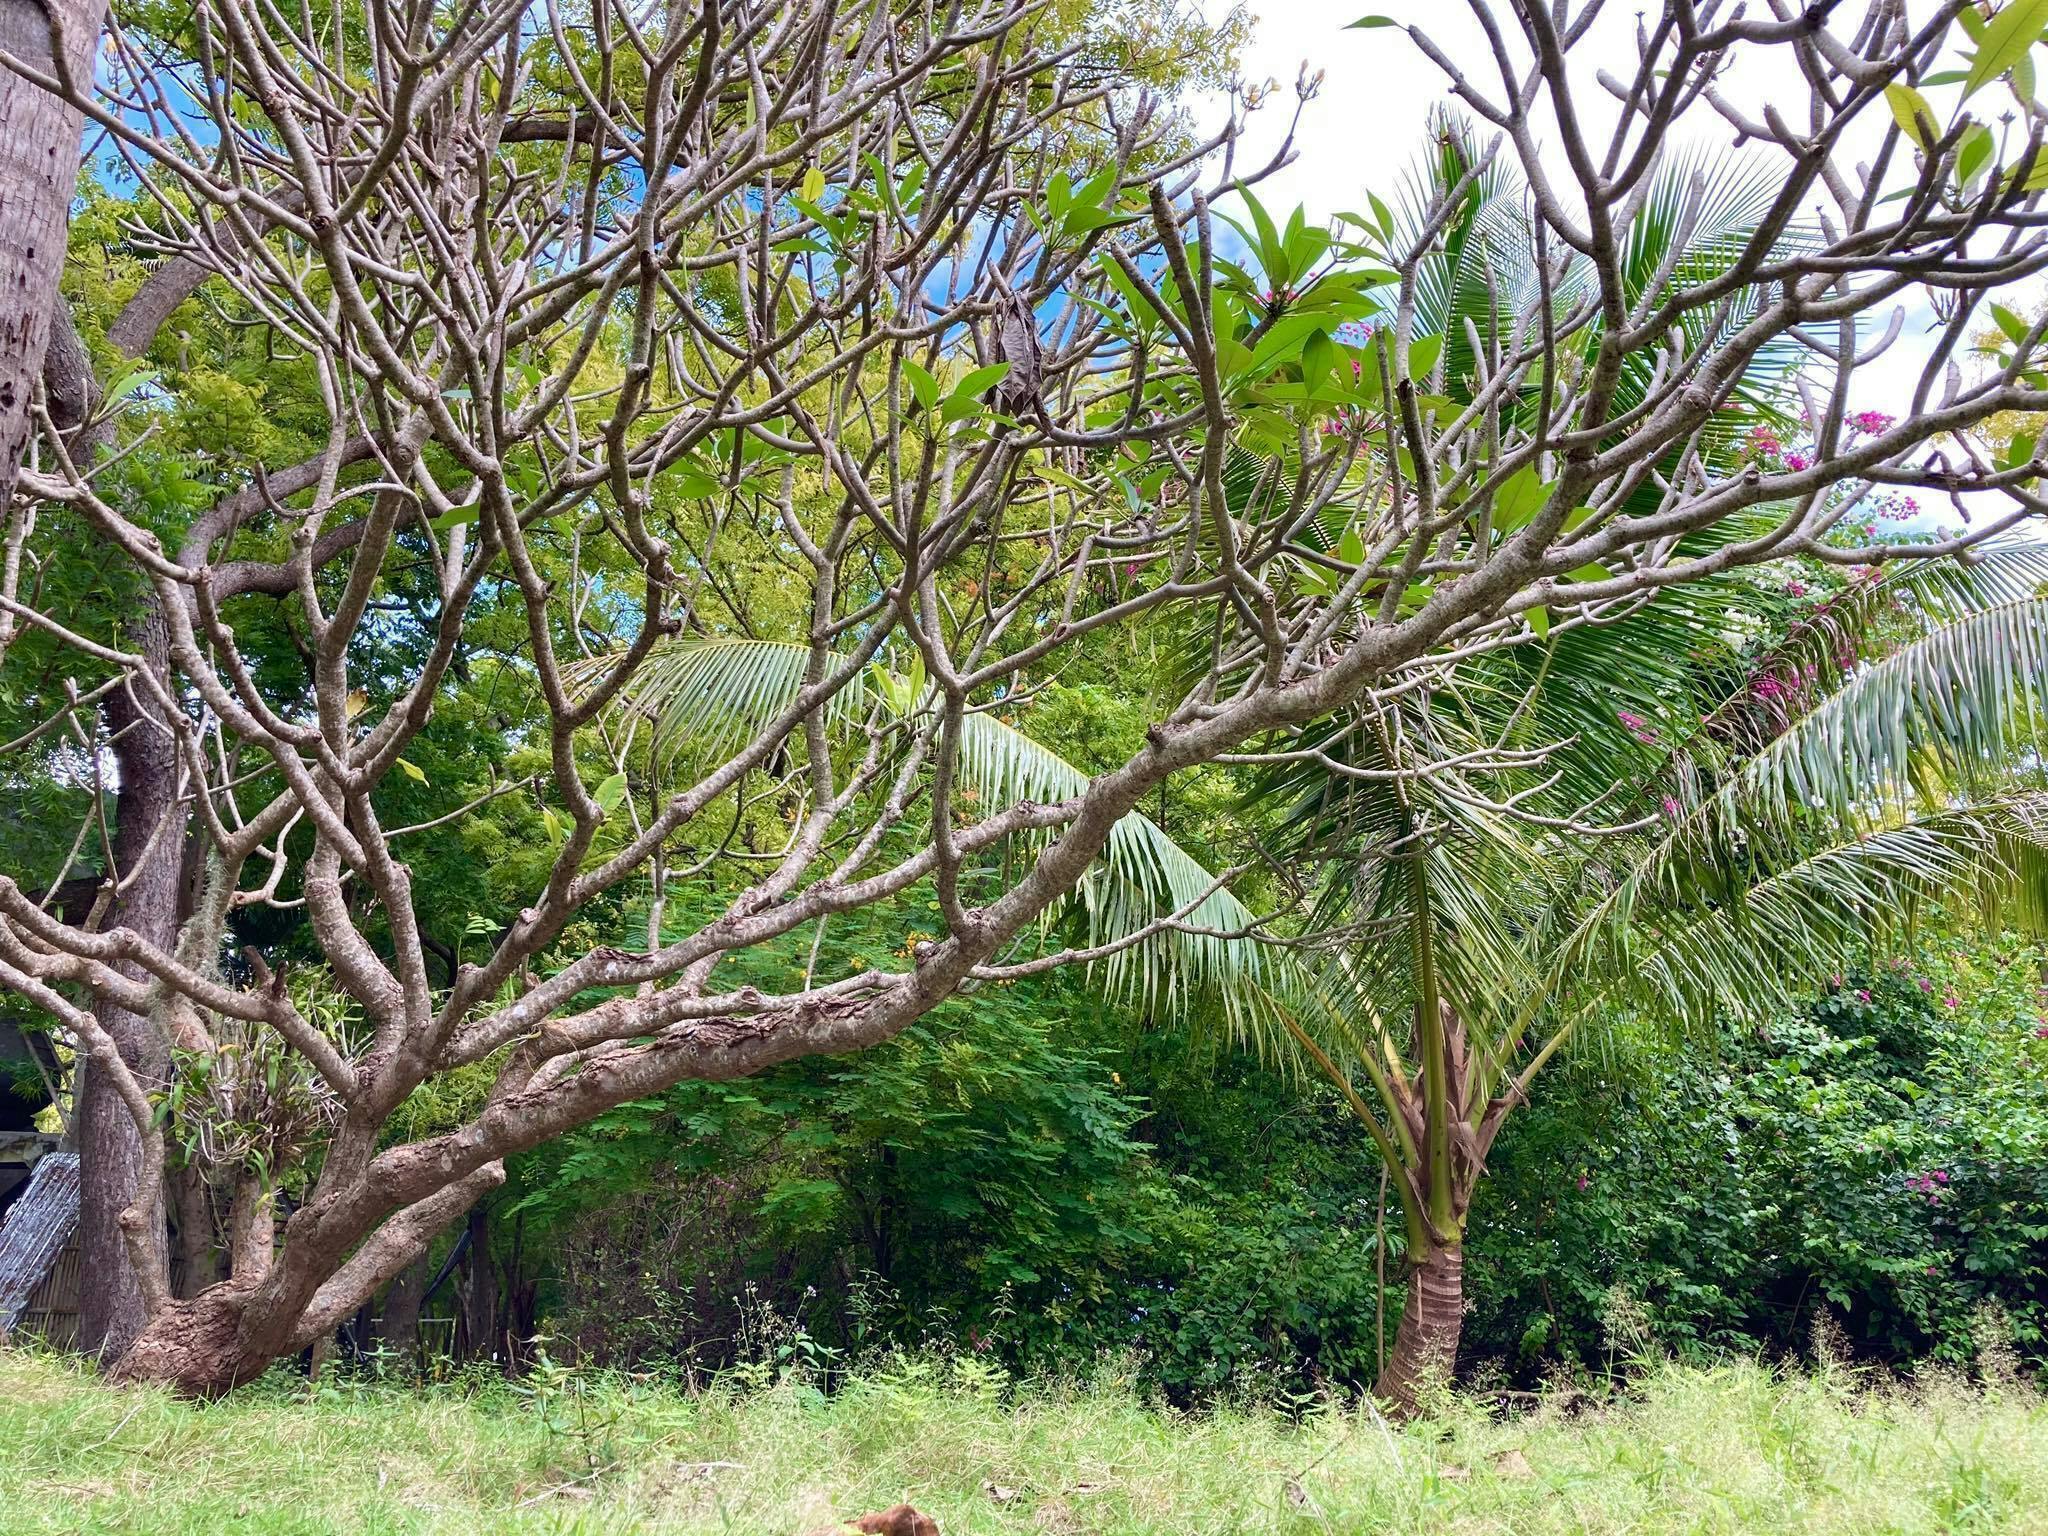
(1143, 876)
(1895, 790)
(1686, 960)
(710, 696)
(1951, 709)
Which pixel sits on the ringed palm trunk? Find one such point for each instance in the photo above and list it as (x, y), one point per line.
(1425, 1353)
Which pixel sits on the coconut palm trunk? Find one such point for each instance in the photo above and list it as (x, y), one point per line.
(1425, 1353)
(1434, 1137)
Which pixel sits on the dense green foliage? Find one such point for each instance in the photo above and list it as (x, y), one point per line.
(1026, 1172)
(1883, 1154)
(1046, 1176)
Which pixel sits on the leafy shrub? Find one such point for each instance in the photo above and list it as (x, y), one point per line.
(1022, 1173)
(1884, 1154)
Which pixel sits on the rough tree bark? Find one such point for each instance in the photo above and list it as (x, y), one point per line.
(477, 1301)
(148, 857)
(398, 1322)
(147, 815)
(39, 137)
(39, 154)
(196, 1257)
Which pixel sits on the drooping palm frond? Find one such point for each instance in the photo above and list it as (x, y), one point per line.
(710, 696)
(1758, 872)
(1950, 708)
(2003, 571)
(1681, 663)
(1905, 785)
(1142, 877)
(1688, 956)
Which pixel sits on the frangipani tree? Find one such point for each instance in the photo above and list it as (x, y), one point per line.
(1496, 860)
(587, 292)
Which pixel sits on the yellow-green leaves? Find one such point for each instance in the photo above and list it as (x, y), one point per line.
(2007, 37)
(1076, 211)
(924, 389)
(1914, 117)
(1973, 154)
(963, 400)
(813, 184)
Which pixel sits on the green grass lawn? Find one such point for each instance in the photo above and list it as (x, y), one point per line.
(1738, 1448)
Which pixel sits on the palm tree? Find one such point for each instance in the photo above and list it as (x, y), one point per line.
(1716, 831)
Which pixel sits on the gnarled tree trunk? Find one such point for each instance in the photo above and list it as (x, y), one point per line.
(149, 841)
(1425, 1354)
(198, 1345)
